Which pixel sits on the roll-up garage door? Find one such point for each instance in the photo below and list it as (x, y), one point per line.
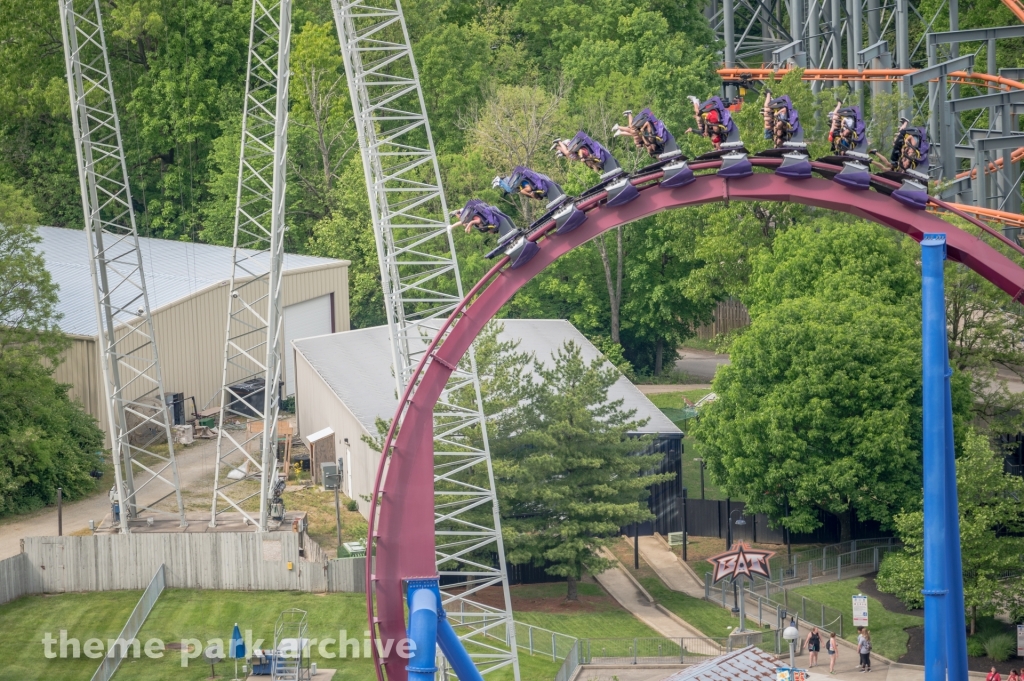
(303, 320)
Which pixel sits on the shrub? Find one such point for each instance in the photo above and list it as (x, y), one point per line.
(352, 505)
(975, 646)
(1000, 647)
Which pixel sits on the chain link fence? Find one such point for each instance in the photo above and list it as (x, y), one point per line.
(112, 660)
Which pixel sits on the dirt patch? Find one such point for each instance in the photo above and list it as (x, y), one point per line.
(699, 549)
(888, 601)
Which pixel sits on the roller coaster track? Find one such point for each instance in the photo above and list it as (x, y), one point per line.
(998, 83)
(401, 532)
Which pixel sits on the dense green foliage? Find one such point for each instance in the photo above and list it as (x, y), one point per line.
(46, 440)
(820, 408)
(991, 522)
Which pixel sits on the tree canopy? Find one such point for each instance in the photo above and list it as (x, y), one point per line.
(46, 440)
(820, 408)
(569, 474)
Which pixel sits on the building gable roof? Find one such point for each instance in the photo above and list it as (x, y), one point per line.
(357, 366)
(174, 270)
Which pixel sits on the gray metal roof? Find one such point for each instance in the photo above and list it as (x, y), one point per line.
(174, 270)
(749, 664)
(357, 367)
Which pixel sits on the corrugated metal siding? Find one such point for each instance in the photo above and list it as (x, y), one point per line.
(190, 337)
(80, 369)
(319, 407)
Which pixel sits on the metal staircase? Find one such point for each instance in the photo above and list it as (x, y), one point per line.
(247, 457)
(420, 277)
(133, 385)
(290, 662)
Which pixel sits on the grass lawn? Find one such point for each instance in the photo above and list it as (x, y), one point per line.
(84, 616)
(887, 636)
(323, 528)
(713, 620)
(619, 624)
(675, 400)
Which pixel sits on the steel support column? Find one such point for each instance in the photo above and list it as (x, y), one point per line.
(420, 276)
(133, 383)
(934, 360)
(252, 352)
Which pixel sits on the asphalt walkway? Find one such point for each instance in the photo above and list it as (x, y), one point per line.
(195, 467)
(631, 596)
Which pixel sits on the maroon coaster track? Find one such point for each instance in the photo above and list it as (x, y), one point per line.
(401, 527)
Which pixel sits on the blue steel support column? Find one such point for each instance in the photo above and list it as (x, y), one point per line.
(956, 643)
(934, 360)
(424, 600)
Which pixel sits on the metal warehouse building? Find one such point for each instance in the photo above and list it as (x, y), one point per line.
(344, 382)
(188, 295)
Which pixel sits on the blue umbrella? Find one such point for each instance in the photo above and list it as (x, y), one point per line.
(236, 650)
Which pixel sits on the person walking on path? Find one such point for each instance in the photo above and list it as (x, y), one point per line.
(1014, 676)
(864, 648)
(832, 646)
(993, 675)
(813, 646)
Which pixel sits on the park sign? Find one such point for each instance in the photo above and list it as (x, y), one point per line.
(741, 561)
(860, 610)
(1020, 640)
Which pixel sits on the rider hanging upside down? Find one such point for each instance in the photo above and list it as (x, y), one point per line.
(648, 133)
(484, 218)
(910, 148)
(714, 122)
(781, 122)
(583, 148)
(847, 134)
(529, 183)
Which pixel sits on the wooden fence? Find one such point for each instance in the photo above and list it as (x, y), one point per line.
(729, 316)
(235, 561)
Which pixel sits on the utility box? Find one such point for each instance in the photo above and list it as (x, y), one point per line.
(330, 473)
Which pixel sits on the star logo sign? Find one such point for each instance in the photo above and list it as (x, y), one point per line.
(741, 560)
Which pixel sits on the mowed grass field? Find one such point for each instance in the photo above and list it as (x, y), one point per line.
(181, 615)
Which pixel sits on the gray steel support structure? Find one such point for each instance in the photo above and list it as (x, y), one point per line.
(132, 381)
(247, 465)
(420, 277)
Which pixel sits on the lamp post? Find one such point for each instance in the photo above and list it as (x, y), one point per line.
(735, 597)
(791, 634)
(700, 461)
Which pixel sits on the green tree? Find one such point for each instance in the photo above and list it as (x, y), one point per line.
(820, 407)
(568, 473)
(46, 440)
(990, 516)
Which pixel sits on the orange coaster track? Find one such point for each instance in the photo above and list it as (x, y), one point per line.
(998, 83)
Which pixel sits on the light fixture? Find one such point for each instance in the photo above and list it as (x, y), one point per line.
(741, 521)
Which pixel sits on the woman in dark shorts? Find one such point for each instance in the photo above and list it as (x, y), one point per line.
(832, 646)
(813, 646)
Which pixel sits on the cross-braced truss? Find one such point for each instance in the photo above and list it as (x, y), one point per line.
(421, 284)
(133, 385)
(247, 432)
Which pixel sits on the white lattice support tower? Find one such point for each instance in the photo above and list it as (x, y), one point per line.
(247, 465)
(420, 277)
(133, 385)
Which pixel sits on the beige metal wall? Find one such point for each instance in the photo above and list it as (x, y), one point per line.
(318, 407)
(191, 335)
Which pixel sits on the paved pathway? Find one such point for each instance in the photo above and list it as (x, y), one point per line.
(631, 597)
(195, 466)
(700, 364)
(669, 567)
(658, 388)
